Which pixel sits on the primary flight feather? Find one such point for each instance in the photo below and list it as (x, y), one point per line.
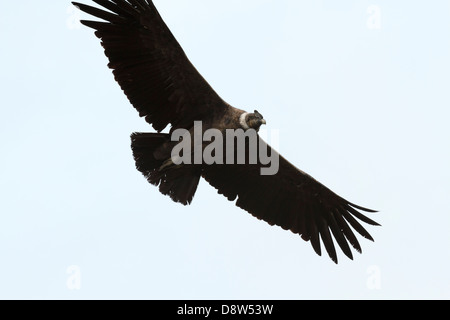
(165, 88)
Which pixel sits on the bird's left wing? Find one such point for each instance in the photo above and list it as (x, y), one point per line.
(292, 200)
(150, 65)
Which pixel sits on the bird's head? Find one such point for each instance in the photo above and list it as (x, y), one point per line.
(252, 120)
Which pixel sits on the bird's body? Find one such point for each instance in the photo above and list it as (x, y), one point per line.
(166, 89)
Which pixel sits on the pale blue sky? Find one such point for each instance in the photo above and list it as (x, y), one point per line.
(365, 111)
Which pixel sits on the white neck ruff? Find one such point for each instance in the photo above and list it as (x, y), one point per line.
(242, 121)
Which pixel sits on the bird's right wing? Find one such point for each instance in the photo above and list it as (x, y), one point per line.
(150, 65)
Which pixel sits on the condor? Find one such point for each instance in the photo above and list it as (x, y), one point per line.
(165, 88)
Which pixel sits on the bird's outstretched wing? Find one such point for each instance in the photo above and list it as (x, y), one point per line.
(294, 201)
(150, 65)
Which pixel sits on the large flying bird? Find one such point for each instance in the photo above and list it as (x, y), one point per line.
(166, 89)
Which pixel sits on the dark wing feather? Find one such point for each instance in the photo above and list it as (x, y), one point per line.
(150, 65)
(294, 201)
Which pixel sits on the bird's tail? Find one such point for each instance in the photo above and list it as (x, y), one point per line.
(152, 156)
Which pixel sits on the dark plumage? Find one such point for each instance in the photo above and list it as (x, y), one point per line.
(166, 89)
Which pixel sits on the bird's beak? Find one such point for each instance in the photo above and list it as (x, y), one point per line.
(263, 121)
